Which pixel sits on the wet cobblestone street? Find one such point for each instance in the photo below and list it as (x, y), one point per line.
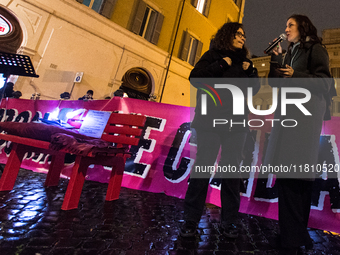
(32, 222)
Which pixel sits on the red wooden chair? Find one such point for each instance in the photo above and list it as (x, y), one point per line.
(21, 145)
(122, 129)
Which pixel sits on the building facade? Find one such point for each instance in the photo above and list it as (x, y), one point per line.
(146, 47)
(331, 39)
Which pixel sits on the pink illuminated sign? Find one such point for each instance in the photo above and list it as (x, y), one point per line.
(5, 26)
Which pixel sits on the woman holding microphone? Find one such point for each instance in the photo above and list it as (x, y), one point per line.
(306, 58)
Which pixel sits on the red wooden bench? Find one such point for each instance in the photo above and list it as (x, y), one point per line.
(122, 129)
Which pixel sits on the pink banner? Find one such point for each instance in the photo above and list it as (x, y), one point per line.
(161, 162)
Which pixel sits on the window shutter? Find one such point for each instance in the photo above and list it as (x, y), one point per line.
(185, 46)
(198, 51)
(107, 8)
(238, 3)
(194, 3)
(206, 8)
(157, 29)
(137, 23)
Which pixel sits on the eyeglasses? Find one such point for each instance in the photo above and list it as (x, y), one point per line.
(239, 34)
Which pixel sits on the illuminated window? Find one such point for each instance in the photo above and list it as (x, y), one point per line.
(202, 6)
(149, 19)
(103, 7)
(147, 22)
(191, 49)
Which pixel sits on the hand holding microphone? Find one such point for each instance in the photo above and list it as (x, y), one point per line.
(276, 44)
(277, 50)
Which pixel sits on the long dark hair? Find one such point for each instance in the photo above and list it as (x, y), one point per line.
(223, 38)
(306, 29)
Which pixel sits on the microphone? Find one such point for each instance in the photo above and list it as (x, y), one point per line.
(279, 39)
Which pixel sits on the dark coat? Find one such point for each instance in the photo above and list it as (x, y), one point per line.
(212, 65)
(297, 146)
(8, 90)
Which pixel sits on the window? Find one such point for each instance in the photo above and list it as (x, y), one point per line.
(335, 72)
(191, 49)
(147, 23)
(202, 6)
(103, 7)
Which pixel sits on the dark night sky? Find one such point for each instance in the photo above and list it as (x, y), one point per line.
(265, 20)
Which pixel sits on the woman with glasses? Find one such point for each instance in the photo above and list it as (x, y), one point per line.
(226, 58)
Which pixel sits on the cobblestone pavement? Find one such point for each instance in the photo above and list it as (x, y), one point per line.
(31, 222)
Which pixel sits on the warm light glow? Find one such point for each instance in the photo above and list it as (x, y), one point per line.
(2, 80)
(5, 26)
(200, 5)
(54, 115)
(74, 113)
(332, 233)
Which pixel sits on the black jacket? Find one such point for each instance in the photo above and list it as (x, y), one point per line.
(212, 65)
(298, 146)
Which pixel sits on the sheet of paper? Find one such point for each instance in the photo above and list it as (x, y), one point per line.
(94, 123)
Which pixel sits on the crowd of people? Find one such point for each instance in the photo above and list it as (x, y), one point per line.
(87, 96)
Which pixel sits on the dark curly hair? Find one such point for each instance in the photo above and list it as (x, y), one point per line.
(223, 38)
(306, 28)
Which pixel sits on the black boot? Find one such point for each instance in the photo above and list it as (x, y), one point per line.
(230, 230)
(189, 229)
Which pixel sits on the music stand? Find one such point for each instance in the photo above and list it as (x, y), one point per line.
(15, 64)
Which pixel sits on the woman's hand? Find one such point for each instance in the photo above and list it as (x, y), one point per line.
(228, 60)
(245, 65)
(278, 49)
(287, 72)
